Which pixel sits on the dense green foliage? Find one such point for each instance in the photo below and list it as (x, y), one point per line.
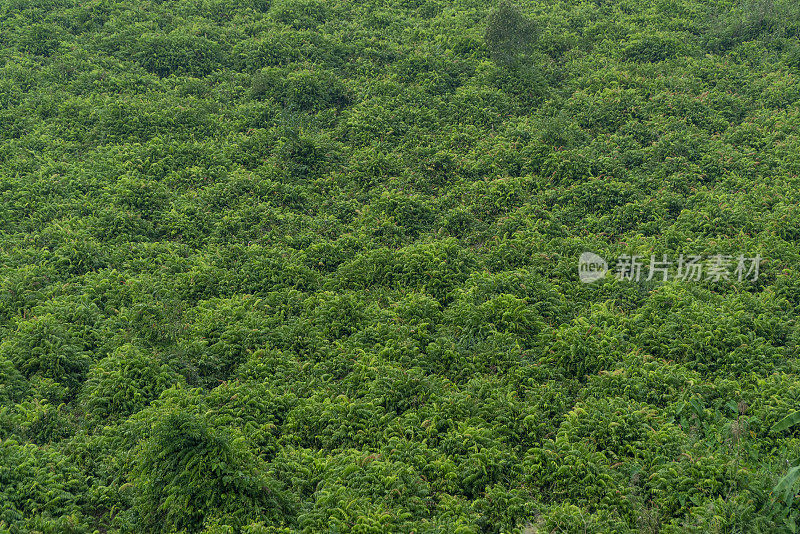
(277, 266)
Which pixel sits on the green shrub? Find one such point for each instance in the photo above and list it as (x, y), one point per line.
(124, 383)
(651, 48)
(46, 347)
(188, 471)
(177, 53)
(301, 14)
(509, 34)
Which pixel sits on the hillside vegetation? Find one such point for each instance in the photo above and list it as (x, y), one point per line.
(298, 266)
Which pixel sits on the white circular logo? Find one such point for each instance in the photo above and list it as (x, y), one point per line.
(591, 267)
